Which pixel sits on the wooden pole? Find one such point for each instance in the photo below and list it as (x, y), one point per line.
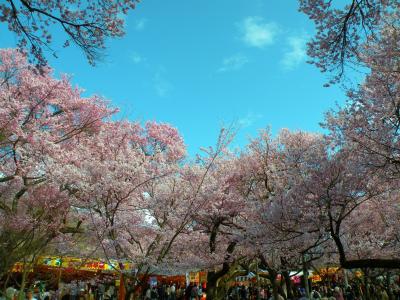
(121, 290)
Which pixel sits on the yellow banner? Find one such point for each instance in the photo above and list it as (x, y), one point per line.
(76, 263)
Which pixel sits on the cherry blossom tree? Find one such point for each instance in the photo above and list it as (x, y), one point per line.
(341, 194)
(139, 195)
(325, 194)
(316, 195)
(221, 220)
(370, 119)
(371, 232)
(368, 126)
(272, 169)
(86, 24)
(364, 133)
(120, 186)
(342, 31)
(42, 120)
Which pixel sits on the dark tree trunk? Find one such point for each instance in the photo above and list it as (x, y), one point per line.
(366, 284)
(272, 278)
(213, 276)
(271, 275)
(289, 285)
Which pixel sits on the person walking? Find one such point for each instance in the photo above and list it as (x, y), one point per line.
(194, 293)
(337, 293)
(173, 292)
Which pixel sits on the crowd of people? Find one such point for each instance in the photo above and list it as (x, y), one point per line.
(75, 290)
(356, 292)
(321, 291)
(97, 290)
(92, 290)
(175, 292)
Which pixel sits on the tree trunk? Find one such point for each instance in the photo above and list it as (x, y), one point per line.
(212, 280)
(289, 285)
(59, 273)
(275, 289)
(305, 278)
(345, 278)
(366, 285)
(6, 283)
(214, 276)
(389, 290)
(21, 294)
(272, 278)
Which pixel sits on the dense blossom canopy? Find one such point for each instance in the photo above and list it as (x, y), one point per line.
(42, 120)
(74, 181)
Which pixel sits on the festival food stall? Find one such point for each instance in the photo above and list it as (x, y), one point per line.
(67, 269)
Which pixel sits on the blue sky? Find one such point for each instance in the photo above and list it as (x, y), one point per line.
(201, 64)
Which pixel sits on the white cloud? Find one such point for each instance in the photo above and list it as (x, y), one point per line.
(136, 58)
(296, 52)
(140, 24)
(234, 62)
(249, 119)
(257, 33)
(162, 86)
